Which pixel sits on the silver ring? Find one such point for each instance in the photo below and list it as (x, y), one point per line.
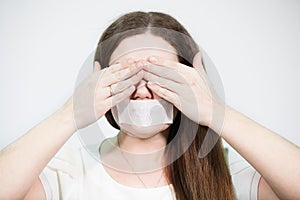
(111, 91)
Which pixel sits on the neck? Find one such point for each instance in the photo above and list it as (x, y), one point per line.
(137, 145)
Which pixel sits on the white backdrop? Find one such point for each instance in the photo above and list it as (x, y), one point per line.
(255, 46)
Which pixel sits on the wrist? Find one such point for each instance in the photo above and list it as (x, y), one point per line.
(218, 117)
(65, 116)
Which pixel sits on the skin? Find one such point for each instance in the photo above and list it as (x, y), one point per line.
(263, 149)
(128, 142)
(142, 92)
(43, 141)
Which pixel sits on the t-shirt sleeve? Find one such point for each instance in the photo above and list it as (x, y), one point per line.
(60, 178)
(245, 179)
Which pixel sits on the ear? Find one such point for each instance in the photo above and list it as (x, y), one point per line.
(97, 66)
(197, 62)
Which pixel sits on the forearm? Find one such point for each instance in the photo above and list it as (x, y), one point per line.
(275, 158)
(23, 160)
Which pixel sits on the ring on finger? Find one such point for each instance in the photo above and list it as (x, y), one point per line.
(111, 90)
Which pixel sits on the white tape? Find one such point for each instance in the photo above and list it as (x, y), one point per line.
(145, 112)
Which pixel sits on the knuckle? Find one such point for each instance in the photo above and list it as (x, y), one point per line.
(118, 76)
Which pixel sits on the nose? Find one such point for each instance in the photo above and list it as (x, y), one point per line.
(142, 92)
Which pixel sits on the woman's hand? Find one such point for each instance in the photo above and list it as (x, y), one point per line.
(103, 89)
(187, 88)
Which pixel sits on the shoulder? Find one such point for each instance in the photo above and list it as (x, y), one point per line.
(68, 160)
(62, 173)
(245, 178)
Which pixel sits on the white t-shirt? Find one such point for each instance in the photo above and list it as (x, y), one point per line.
(75, 174)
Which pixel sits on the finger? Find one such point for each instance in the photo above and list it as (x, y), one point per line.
(164, 72)
(163, 82)
(156, 60)
(165, 94)
(106, 92)
(115, 99)
(197, 62)
(120, 65)
(120, 86)
(112, 78)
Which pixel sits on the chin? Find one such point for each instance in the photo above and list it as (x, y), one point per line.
(143, 132)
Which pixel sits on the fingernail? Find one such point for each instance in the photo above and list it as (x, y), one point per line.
(153, 59)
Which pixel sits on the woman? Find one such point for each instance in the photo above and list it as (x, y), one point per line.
(170, 70)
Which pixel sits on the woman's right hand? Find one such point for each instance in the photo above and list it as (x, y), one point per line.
(103, 89)
(91, 99)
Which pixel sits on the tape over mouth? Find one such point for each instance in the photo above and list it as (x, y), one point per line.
(145, 112)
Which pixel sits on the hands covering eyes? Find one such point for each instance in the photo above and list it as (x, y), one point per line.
(103, 89)
(187, 88)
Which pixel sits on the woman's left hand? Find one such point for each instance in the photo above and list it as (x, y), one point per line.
(187, 88)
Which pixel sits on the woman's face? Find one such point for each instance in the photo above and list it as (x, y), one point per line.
(140, 48)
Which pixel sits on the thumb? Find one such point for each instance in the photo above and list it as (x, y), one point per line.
(97, 66)
(197, 62)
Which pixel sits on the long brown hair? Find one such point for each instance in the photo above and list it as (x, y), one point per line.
(192, 177)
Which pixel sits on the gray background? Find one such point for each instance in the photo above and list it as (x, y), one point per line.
(255, 46)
